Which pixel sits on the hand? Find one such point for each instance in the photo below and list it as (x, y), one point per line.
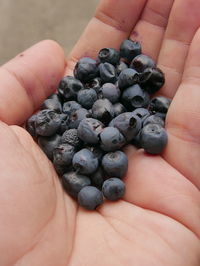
(157, 223)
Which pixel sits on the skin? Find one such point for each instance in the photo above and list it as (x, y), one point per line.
(157, 222)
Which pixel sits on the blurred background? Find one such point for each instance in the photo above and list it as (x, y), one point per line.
(25, 22)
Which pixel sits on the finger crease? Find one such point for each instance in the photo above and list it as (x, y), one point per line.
(109, 21)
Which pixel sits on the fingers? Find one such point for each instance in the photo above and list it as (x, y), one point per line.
(183, 121)
(153, 184)
(183, 23)
(28, 79)
(111, 24)
(150, 28)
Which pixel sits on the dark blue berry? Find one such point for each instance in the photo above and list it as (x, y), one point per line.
(94, 84)
(90, 197)
(102, 110)
(113, 188)
(107, 73)
(87, 98)
(153, 119)
(134, 97)
(52, 105)
(48, 144)
(64, 123)
(159, 104)
(89, 130)
(86, 69)
(77, 116)
(70, 136)
(127, 78)
(110, 92)
(85, 162)
(128, 124)
(111, 139)
(98, 178)
(153, 138)
(109, 55)
(97, 152)
(129, 49)
(69, 87)
(115, 164)
(63, 154)
(152, 79)
(120, 67)
(70, 106)
(118, 109)
(73, 182)
(47, 122)
(141, 113)
(141, 62)
(30, 125)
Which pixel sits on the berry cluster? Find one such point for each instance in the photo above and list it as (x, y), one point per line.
(107, 104)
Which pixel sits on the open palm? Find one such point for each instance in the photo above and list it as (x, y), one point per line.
(157, 223)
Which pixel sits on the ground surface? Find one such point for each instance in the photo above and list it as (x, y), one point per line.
(24, 23)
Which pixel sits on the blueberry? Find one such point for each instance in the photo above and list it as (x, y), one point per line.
(120, 67)
(143, 113)
(153, 138)
(64, 123)
(153, 119)
(62, 169)
(111, 139)
(115, 164)
(127, 78)
(48, 144)
(70, 106)
(85, 162)
(73, 182)
(70, 136)
(90, 197)
(161, 115)
(47, 122)
(118, 109)
(113, 188)
(97, 152)
(109, 55)
(98, 178)
(129, 49)
(87, 97)
(69, 87)
(107, 73)
(94, 84)
(52, 105)
(141, 62)
(102, 110)
(30, 125)
(77, 116)
(136, 141)
(134, 97)
(89, 130)
(63, 154)
(86, 69)
(152, 79)
(159, 104)
(110, 92)
(128, 124)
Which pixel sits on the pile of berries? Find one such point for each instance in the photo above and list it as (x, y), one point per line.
(107, 104)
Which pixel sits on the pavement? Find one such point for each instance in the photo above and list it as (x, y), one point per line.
(25, 22)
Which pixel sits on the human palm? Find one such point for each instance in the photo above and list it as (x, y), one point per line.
(157, 222)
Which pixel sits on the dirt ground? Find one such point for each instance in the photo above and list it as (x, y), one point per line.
(25, 22)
